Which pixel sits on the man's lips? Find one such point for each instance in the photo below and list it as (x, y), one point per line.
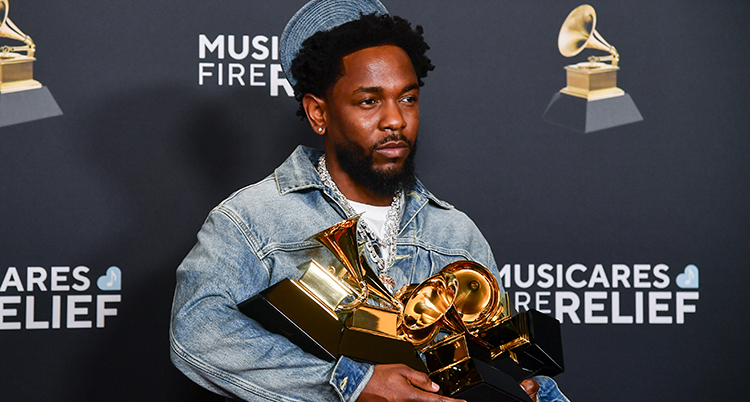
(393, 149)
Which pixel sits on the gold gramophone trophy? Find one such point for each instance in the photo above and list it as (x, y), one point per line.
(22, 98)
(485, 351)
(591, 100)
(334, 311)
(16, 69)
(455, 325)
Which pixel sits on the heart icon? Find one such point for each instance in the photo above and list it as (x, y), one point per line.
(112, 280)
(689, 278)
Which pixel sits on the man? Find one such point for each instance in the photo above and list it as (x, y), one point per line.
(356, 72)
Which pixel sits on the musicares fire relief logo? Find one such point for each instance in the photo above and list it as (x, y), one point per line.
(614, 294)
(58, 297)
(231, 60)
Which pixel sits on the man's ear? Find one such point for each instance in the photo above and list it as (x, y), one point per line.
(317, 112)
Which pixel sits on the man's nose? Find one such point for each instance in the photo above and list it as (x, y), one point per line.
(392, 117)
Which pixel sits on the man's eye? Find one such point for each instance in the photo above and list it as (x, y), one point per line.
(368, 102)
(409, 99)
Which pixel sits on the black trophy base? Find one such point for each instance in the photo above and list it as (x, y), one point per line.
(287, 310)
(544, 354)
(504, 363)
(24, 106)
(374, 348)
(588, 116)
(477, 381)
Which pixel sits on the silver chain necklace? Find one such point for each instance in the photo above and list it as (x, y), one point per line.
(393, 217)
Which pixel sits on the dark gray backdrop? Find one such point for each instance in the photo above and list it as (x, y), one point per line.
(126, 176)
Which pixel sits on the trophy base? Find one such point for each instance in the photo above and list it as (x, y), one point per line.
(510, 366)
(477, 381)
(455, 366)
(534, 346)
(592, 81)
(544, 353)
(374, 348)
(288, 310)
(17, 73)
(25, 106)
(588, 116)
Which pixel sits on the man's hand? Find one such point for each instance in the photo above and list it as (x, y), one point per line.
(531, 387)
(397, 382)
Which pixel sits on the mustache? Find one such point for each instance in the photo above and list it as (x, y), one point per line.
(392, 137)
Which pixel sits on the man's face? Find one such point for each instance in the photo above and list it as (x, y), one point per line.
(373, 118)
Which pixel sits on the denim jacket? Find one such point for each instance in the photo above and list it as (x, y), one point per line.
(258, 237)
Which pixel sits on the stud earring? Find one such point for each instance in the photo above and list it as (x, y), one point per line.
(320, 129)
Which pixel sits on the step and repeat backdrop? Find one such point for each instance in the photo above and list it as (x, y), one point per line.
(635, 236)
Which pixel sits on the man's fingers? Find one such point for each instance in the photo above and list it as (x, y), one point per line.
(397, 382)
(420, 380)
(531, 387)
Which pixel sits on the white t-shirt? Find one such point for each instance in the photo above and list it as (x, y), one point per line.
(373, 215)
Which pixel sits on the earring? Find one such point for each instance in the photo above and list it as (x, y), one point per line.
(320, 129)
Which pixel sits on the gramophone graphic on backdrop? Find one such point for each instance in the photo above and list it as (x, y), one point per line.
(22, 98)
(591, 101)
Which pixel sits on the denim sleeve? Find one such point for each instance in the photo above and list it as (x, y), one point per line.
(548, 390)
(223, 350)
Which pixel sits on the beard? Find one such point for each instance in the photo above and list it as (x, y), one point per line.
(358, 163)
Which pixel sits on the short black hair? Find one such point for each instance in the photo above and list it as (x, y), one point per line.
(319, 63)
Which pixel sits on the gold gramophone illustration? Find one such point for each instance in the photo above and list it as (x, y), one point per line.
(592, 79)
(22, 98)
(456, 325)
(591, 100)
(16, 69)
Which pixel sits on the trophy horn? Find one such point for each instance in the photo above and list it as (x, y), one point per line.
(9, 30)
(419, 338)
(341, 240)
(478, 295)
(432, 303)
(579, 32)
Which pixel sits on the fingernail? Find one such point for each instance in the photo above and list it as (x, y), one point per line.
(435, 387)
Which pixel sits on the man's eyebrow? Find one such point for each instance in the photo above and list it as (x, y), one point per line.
(381, 89)
(368, 89)
(411, 87)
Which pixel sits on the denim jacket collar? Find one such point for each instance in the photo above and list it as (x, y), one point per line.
(298, 173)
